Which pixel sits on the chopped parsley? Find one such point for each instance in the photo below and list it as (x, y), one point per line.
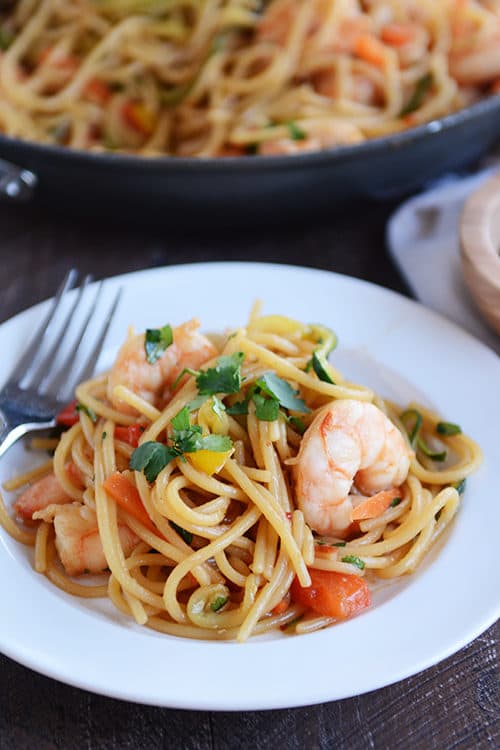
(298, 424)
(354, 560)
(218, 603)
(266, 409)
(156, 341)
(225, 377)
(282, 392)
(296, 132)
(416, 99)
(6, 38)
(395, 502)
(448, 428)
(186, 535)
(339, 544)
(88, 411)
(460, 486)
(218, 407)
(238, 408)
(152, 457)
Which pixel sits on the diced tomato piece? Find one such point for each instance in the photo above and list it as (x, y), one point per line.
(138, 117)
(129, 434)
(332, 594)
(97, 91)
(69, 415)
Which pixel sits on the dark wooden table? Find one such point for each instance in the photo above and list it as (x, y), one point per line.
(452, 706)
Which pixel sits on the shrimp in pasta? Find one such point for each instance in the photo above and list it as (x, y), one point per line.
(349, 445)
(240, 487)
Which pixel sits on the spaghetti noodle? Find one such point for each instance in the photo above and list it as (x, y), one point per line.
(234, 77)
(184, 483)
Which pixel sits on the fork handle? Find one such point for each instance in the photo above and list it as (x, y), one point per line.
(10, 435)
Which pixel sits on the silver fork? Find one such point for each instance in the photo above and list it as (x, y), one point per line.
(34, 394)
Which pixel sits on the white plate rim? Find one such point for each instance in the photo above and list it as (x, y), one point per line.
(258, 687)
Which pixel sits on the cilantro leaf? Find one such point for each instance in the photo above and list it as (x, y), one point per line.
(186, 535)
(281, 391)
(354, 560)
(88, 411)
(216, 443)
(296, 132)
(187, 441)
(151, 458)
(238, 408)
(298, 424)
(218, 603)
(196, 403)
(266, 409)
(218, 407)
(225, 377)
(181, 420)
(156, 341)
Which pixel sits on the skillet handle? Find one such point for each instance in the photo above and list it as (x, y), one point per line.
(16, 183)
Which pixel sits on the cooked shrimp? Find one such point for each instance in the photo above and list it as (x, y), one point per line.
(479, 64)
(77, 538)
(349, 444)
(153, 382)
(44, 492)
(318, 135)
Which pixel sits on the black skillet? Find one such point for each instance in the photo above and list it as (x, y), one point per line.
(253, 186)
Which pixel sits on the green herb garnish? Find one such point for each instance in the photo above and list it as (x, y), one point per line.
(422, 87)
(6, 38)
(218, 603)
(282, 392)
(239, 408)
(448, 428)
(218, 407)
(339, 544)
(460, 486)
(296, 132)
(225, 377)
(395, 502)
(186, 535)
(104, 435)
(298, 424)
(354, 560)
(266, 409)
(156, 341)
(88, 411)
(151, 458)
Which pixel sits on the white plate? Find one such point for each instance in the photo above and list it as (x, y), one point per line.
(386, 341)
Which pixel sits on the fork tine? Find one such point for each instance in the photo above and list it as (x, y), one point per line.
(90, 364)
(43, 371)
(29, 355)
(53, 385)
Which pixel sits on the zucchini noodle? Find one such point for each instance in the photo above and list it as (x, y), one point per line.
(211, 540)
(208, 78)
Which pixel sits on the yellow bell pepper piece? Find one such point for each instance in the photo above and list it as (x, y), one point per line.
(210, 462)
